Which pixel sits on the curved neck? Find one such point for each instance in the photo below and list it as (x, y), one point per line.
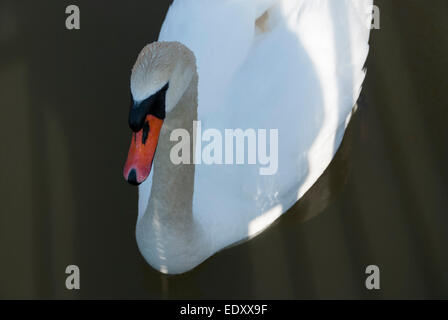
(173, 184)
(168, 236)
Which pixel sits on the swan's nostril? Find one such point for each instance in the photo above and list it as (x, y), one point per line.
(132, 178)
(145, 132)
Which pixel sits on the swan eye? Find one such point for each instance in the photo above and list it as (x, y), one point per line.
(154, 104)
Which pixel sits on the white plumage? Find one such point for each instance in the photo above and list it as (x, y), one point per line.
(291, 65)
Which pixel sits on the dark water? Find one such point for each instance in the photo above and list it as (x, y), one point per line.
(64, 103)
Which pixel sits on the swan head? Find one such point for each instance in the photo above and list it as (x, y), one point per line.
(159, 79)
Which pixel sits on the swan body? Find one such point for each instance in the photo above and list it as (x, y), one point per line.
(291, 65)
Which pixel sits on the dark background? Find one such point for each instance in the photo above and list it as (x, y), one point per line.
(63, 124)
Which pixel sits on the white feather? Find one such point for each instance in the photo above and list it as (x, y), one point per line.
(301, 74)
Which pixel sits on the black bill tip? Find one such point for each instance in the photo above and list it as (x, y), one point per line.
(132, 178)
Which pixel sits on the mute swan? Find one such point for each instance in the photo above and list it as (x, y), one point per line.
(291, 65)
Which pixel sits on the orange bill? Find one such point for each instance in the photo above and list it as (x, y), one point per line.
(141, 153)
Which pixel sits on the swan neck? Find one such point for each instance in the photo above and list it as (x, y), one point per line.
(175, 179)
